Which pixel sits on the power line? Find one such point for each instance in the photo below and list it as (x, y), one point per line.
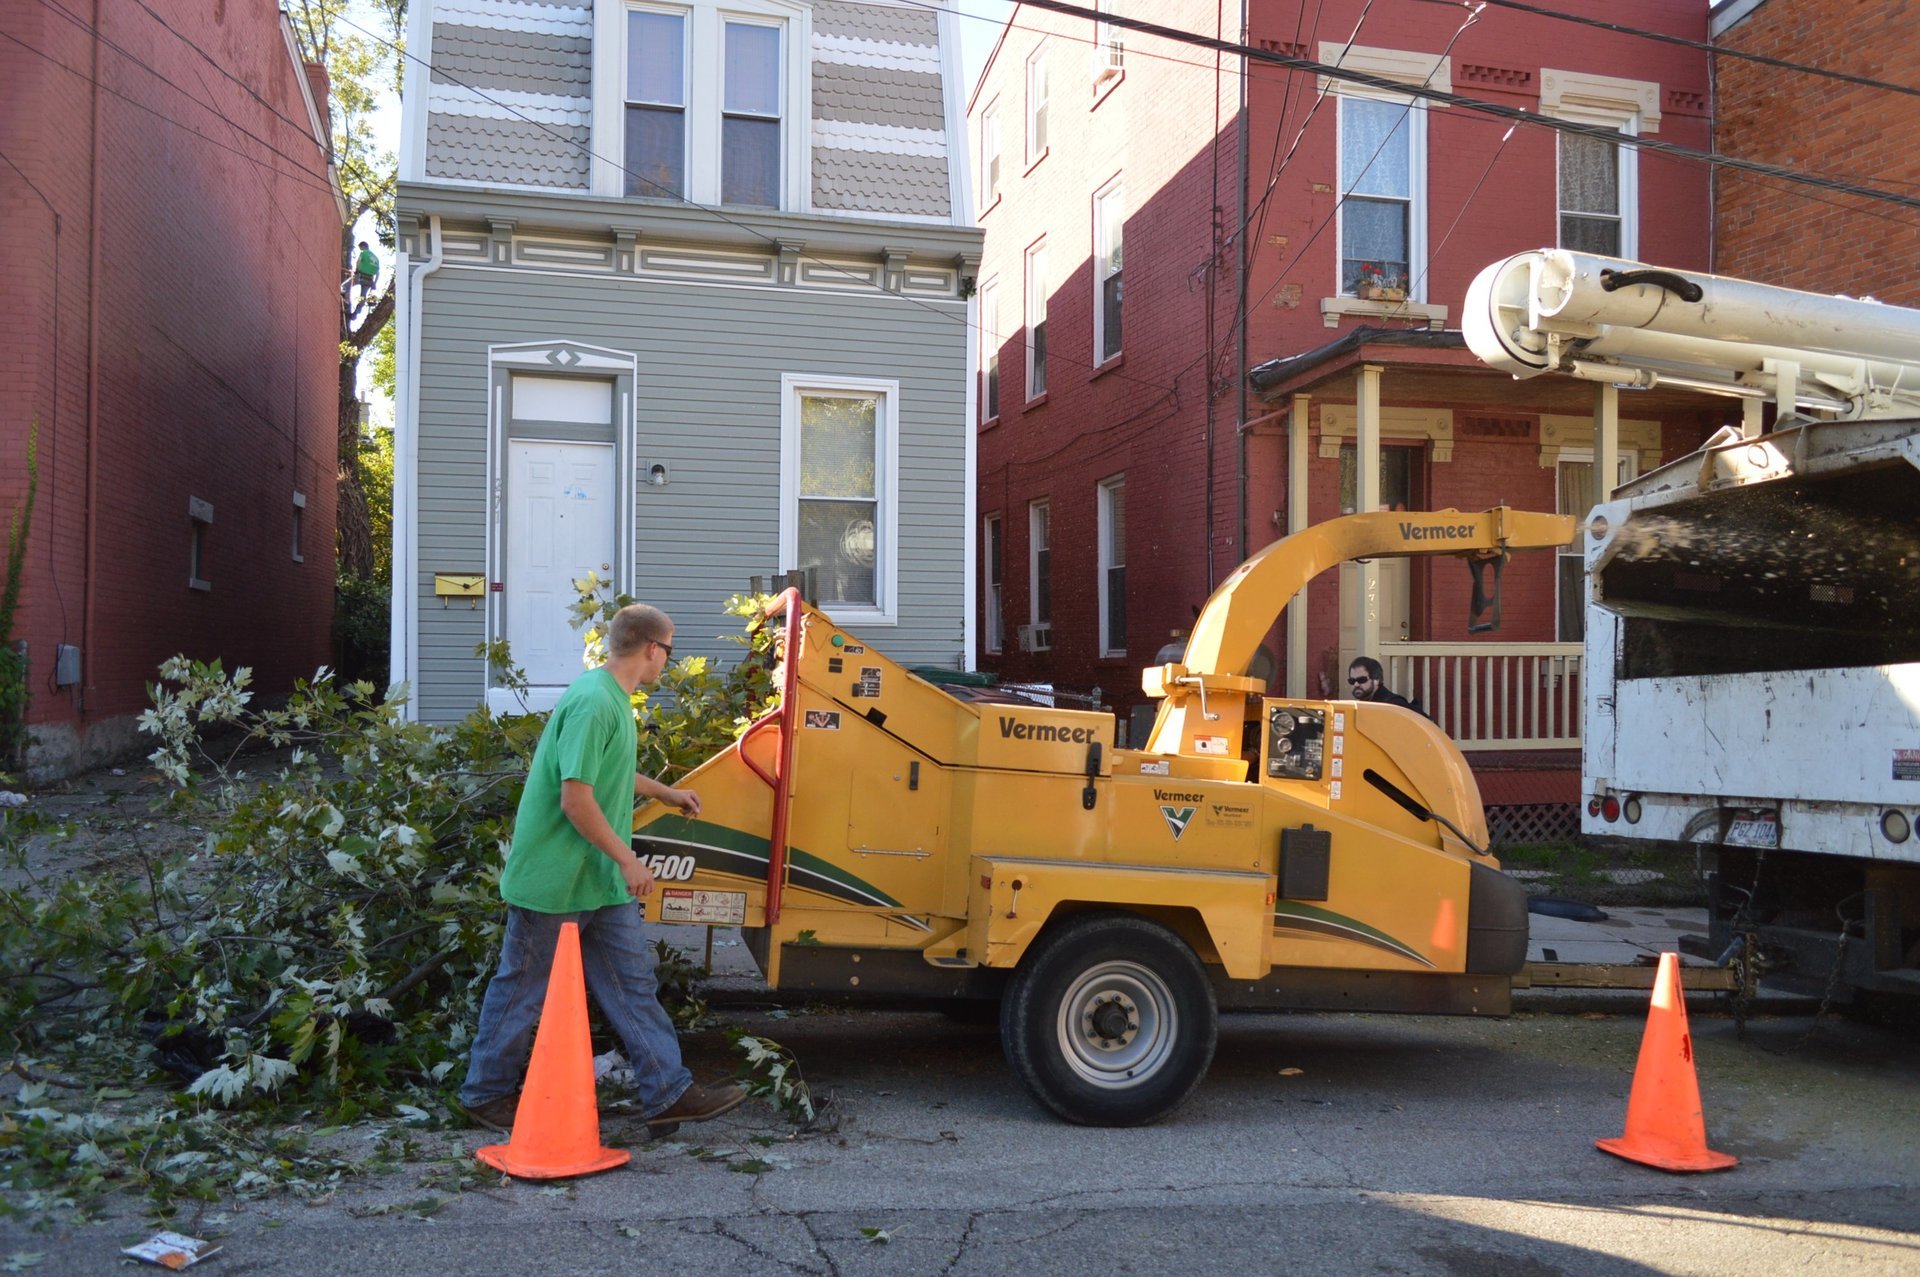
(1703, 46)
(1383, 84)
(715, 212)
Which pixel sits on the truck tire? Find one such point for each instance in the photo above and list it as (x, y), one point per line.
(1110, 1021)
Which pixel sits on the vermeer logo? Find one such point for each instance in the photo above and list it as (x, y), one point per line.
(1442, 532)
(1177, 819)
(1046, 731)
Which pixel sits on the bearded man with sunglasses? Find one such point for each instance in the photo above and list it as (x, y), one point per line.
(566, 864)
(1364, 680)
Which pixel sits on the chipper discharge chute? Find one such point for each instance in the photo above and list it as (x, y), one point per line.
(878, 837)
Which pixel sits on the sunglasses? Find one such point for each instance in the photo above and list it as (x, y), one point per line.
(1356, 682)
(665, 647)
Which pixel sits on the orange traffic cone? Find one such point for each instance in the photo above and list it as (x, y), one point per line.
(1664, 1123)
(556, 1130)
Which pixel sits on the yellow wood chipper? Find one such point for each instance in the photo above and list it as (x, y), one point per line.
(879, 836)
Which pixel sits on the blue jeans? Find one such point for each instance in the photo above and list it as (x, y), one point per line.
(619, 970)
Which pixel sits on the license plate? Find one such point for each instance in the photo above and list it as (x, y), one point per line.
(1754, 831)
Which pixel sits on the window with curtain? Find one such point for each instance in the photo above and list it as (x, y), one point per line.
(656, 104)
(990, 154)
(1040, 563)
(1036, 321)
(1590, 195)
(1037, 104)
(989, 350)
(1377, 183)
(992, 558)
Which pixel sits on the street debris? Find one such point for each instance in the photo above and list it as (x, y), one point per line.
(171, 1250)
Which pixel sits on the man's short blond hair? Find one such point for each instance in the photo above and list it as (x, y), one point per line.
(634, 626)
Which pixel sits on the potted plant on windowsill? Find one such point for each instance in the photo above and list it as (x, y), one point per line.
(1375, 285)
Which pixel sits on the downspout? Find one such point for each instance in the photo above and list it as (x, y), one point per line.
(1241, 318)
(93, 384)
(404, 624)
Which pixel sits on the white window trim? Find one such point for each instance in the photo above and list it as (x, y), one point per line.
(990, 128)
(1629, 465)
(1027, 308)
(1105, 550)
(1033, 560)
(993, 636)
(1115, 187)
(1038, 58)
(705, 54)
(1416, 194)
(886, 576)
(1109, 63)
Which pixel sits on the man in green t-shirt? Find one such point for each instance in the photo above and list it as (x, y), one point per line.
(567, 863)
(366, 268)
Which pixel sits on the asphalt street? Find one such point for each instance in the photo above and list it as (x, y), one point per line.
(1318, 1144)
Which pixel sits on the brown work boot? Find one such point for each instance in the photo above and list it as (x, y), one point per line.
(496, 1114)
(696, 1104)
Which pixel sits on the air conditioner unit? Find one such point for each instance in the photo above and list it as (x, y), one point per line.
(1036, 638)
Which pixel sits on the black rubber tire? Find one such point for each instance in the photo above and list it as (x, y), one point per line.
(1110, 964)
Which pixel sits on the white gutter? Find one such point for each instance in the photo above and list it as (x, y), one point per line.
(404, 626)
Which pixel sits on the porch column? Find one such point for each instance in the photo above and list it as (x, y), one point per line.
(1606, 441)
(1297, 522)
(1366, 498)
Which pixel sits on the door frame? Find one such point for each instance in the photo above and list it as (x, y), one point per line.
(553, 359)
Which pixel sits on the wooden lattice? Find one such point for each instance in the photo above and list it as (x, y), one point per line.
(1532, 824)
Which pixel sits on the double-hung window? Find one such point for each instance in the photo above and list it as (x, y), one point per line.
(989, 350)
(840, 489)
(1381, 213)
(989, 155)
(1037, 320)
(1040, 575)
(1599, 176)
(1109, 220)
(656, 103)
(1112, 513)
(1037, 105)
(1109, 44)
(992, 566)
(702, 103)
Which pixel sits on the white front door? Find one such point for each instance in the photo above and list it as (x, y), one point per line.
(560, 526)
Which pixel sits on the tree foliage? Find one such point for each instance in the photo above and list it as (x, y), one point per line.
(323, 948)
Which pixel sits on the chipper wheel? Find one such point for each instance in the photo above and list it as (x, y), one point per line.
(1109, 1021)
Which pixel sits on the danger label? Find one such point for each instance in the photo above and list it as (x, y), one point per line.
(715, 908)
(1906, 764)
(869, 684)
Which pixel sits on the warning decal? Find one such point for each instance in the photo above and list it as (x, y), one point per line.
(686, 904)
(869, 684)
(1906, 764)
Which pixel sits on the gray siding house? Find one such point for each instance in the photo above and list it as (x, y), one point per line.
(684, 301)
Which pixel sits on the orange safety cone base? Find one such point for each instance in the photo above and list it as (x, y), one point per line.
(556, 1132)
(1678, 1161)
(501, 1158)
(1665, 1125)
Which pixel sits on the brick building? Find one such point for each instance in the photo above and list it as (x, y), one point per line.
(1345, 222)
(1823, 242)
(172, 237)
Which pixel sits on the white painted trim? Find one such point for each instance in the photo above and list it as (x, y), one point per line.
(1629, 177)
(1416, 122)
(1027, 308)
(404, 630)
(1566, 93)
(1115, 185)
(598, 361)
(959, 170)
(684, 281)
(1038, 57)
(705, 56)
(997, 638)
(416, 81)
(886, 483)
(970, 497)
(1404, 65)
(1033, 561)
(1730, 14)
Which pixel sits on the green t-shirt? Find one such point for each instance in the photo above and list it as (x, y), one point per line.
(367, 263)
(589, 737)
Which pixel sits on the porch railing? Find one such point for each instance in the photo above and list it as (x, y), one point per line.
(1493, 695)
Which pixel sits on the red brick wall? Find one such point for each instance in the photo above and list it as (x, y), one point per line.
(193, 353)
(1157, 127)
(1798, 236)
